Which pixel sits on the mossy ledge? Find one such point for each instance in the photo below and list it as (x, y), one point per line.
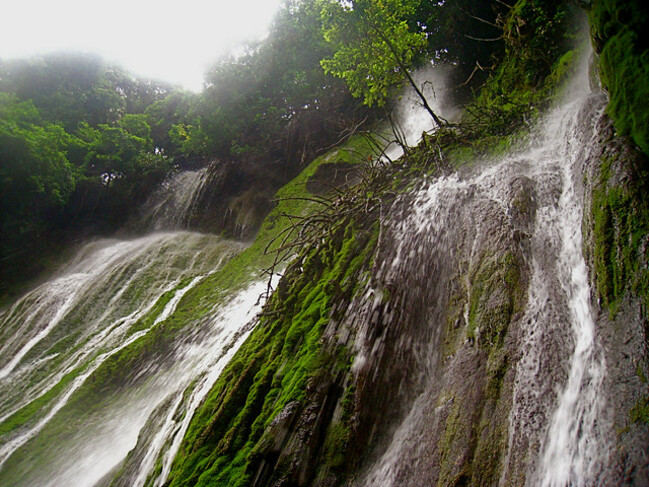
(279, 373)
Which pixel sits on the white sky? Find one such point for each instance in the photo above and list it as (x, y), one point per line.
(171, 41)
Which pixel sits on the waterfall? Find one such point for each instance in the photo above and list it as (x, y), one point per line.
(559, 331)
(171, 206)
(556, 433)
(88, 369)
(411, 118)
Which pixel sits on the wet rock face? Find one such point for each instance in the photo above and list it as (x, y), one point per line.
(619, 168)
(233, 201)
(451, 277)
(464, 335)
(222, 197)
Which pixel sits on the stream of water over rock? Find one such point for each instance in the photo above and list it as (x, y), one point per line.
(530, 204)
(68, 414)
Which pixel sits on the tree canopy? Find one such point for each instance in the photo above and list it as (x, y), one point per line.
(374, 45)
(81, 140)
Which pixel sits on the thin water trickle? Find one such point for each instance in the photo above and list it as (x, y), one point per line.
(574, 452)
(555, 413)
(411, 119)
(172, 204)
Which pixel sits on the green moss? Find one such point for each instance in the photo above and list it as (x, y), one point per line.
(641, 375)
(273, 368)
(456, 427)
(620, 218)
(32, 411)
(495, 288)
(618, 30)
(640, 411)
(339, 433)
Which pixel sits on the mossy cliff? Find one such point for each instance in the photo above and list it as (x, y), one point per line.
(284, 377)
(373, 335)
(617, 225)
(618, 213)
(620, 37)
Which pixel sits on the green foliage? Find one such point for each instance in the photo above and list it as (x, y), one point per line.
(374, 45)
(462, 32)
(225, 442)
(177, 109)
(539, 56)
(35, 171)
(119, 151)
(274, 101)
(36, 176)
(620, 38)
(537, 34)
(189, 139)
(65, 132)
(71, 88)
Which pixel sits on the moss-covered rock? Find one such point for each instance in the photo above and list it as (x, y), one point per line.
(619, 31)
(282, 377)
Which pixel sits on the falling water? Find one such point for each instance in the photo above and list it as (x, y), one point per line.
(555, 436)
(411, 118)
(574, 450)
(68, 416)
(173, 203)
(559, 332)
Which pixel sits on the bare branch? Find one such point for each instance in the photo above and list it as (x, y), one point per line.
(483, 40)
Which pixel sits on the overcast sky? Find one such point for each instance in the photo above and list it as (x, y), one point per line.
(171, 41)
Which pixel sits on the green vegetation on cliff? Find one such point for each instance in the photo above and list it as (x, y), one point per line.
(619, 210)
(621, 228)
(619, 32)
(277, 366)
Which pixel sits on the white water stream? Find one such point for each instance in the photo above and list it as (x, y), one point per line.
(60, 424)
(172, 204)
(410, 116)
(554, 428)
(572, 442)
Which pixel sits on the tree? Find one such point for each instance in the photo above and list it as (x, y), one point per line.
(34, 169)
(117, 153)
(375, 47)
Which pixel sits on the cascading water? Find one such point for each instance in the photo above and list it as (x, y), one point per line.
(172, 203)
(69, 414)
(557, 434)
(411, 118)
(559, 330)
